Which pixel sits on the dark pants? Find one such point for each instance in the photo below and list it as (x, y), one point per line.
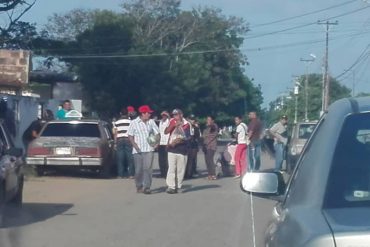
(209, 156)
(163, 160)
(125, 161)
(191, 166)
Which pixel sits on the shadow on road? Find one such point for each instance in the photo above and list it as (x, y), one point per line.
(32, 212)
(201, 187)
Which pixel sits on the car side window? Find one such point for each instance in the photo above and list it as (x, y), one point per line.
(349, 179)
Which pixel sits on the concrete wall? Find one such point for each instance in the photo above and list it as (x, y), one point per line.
(14, 67)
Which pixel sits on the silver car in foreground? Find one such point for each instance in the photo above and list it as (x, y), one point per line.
(73, 143)
(326, 202)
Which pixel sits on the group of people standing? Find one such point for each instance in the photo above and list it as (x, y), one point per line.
(177, 140)
(247, 156)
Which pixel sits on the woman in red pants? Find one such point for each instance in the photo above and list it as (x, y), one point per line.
(241, 149)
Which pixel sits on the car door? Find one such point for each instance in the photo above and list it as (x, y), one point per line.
(109, 141)
(9, 163)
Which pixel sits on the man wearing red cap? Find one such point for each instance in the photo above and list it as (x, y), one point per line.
(140, 131)
(179, 130)
(131, 112)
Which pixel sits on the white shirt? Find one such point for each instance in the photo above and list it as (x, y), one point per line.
(121, 126)
(164, 137)
(140, 131)
(242, 130)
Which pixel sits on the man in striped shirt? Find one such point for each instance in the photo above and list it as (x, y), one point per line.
(125, 162)
(139, 131)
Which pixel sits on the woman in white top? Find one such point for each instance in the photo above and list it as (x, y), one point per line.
(241, 149)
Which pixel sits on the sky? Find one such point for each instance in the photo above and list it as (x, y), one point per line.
(274, 55)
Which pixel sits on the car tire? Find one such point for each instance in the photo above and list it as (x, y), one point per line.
(18, 198)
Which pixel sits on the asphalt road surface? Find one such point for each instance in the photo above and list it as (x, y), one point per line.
(63, 210)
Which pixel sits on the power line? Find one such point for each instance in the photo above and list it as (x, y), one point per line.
(308, 24)
(358, 60)
(163, 54)
(305, 14)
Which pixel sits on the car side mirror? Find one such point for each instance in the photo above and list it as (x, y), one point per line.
(263, 184)
(17, 152)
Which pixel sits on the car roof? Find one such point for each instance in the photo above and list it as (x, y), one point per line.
(78, 121)
(351, 105)
(310, 122)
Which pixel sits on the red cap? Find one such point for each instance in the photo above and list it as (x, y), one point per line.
(145, 109)
(130, 109)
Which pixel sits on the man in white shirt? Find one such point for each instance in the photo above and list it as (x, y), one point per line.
(280, 134)
(241, 149)
(162, 149)
(139, 132)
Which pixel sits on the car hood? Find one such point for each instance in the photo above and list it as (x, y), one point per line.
(350, 226)
(66, 141)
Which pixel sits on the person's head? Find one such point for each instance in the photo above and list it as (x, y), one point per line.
(124, 112)
(192, 119)
(165, 115)
(210, 120)
(252, 115)
(47, 115)
(131, 111)
(67, 105)
(145, 112)
(238, 120)
(284, 119)
(177, 114)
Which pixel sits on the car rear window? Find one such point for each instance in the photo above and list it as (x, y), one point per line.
(349, 179)
(71, 130)
(305, 131)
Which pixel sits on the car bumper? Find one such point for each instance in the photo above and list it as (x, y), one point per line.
(64, 161)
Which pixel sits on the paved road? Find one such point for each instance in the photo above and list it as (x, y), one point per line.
(64, 211)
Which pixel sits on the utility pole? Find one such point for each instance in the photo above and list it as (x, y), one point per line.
(307, 62)
(326, 80)
(353, 83)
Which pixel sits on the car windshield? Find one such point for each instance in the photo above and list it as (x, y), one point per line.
(305, 130)
(349, 181)
(71, 130)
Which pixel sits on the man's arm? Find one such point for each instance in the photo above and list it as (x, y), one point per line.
(276, 135)
(134, 144)
(171, 126)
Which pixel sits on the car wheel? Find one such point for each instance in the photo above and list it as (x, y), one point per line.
(18, 198)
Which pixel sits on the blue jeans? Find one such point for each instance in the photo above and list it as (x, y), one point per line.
(125, 161)
(279, 155)
(254, 156)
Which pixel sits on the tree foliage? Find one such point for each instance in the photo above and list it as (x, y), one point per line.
(154, 53)
(285, 105)
(13, 32)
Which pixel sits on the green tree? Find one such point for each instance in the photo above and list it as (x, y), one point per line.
(13, 32)
(154, 53)
(337, 91)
